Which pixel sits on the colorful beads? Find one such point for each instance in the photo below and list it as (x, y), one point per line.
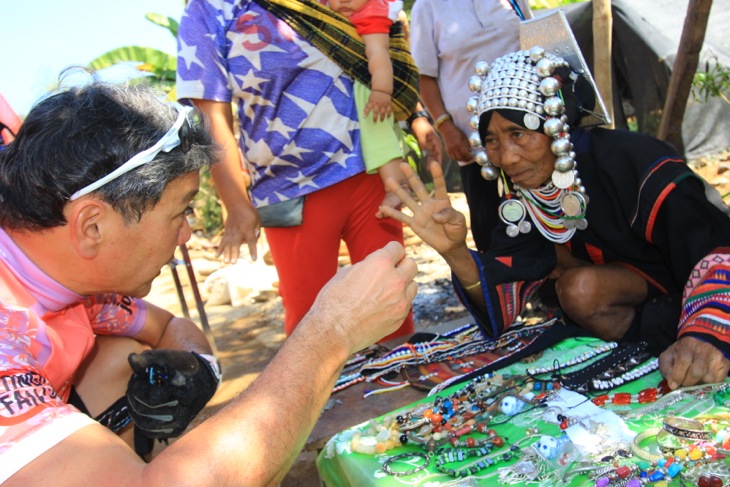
(621, 398)
(674, 469)
(600, 400)
(446, 456)
(710, 481)
(695, 454)
(656, 476)
(644, 396)
(623, 472)
(647, 395)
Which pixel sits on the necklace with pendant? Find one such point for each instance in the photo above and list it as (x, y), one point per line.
(557, 212)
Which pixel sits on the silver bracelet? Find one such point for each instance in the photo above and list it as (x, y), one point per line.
(386, 464)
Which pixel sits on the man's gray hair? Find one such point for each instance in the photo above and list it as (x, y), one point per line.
(76, 136)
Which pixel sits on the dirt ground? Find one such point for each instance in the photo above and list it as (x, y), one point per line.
(248, 334)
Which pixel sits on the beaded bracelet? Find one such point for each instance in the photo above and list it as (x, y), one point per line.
(386, 464)
(584, 357)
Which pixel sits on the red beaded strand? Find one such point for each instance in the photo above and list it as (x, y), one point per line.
(644, 396)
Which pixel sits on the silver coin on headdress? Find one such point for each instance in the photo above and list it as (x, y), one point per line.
(563, 180)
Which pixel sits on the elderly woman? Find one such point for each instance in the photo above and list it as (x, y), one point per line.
(635, 248)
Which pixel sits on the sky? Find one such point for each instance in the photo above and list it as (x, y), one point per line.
(39, 38)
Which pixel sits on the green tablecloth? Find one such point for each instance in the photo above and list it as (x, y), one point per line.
(338, 466)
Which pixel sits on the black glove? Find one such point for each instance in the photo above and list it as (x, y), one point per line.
(167, 389)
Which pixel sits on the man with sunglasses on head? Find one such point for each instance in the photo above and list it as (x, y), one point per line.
(93, 199)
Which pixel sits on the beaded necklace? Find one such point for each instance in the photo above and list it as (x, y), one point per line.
(603, 373)
(483, 460)
(670, 398)
(544, 206)
(450, 419)
(628, 376)
(644, 396)
(583, 357)
(457, 342)
(461, 342)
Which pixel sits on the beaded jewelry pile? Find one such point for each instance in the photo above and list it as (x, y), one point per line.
(457, 434)
(461, 342)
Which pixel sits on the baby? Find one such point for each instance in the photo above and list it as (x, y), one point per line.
(380, 142)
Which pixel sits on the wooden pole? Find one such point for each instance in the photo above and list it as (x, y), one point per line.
(685, 66)
(602, 66)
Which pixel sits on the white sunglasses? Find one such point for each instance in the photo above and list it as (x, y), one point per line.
(168, 142)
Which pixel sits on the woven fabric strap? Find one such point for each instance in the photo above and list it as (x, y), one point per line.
(337, 38)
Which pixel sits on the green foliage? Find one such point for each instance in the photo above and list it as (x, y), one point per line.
(414, 157)
(164, 21)
(158, 65)
(208, 208)
(714, 81)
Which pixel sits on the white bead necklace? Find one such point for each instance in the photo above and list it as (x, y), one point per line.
(544, 208)
(583, 357)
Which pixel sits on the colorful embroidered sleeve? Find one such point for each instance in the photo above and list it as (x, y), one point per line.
(706, 301)
(511, 273)
(114, 314)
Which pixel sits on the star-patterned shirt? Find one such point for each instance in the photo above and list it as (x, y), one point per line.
(298, 121)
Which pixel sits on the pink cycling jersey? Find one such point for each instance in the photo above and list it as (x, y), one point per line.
(46, 331)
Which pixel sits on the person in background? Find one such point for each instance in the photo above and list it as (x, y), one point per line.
(111, 172)
(299, 133)
(612, 226)
(448, 37)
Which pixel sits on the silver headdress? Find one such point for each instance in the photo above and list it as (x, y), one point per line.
(522, 81)
(532, 82)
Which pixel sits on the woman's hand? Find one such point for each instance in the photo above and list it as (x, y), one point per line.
(434, 220)
(242, 226)
(690, 361)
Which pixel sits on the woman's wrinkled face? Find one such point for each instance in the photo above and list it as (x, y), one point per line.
(524, 155)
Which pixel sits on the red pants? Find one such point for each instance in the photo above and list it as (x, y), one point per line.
(305, 256)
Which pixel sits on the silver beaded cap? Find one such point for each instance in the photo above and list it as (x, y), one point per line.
(522, 81)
